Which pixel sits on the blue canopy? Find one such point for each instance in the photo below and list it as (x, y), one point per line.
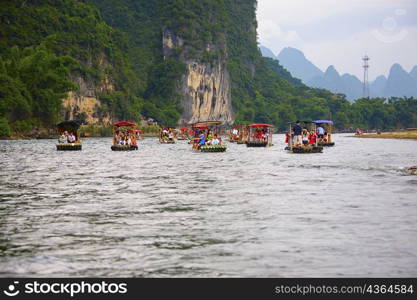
(323, 122)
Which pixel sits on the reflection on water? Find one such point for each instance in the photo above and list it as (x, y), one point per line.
(167, 211)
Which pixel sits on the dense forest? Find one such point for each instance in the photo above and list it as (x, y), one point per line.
(44, 44)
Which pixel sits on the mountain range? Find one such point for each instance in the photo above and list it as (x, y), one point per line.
(399, 82)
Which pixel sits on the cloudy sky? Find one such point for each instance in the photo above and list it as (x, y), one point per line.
(340, 32)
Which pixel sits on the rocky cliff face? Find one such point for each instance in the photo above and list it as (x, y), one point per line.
(84, 103)
(205, 88)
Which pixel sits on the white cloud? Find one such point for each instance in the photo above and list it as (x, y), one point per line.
(275, 37)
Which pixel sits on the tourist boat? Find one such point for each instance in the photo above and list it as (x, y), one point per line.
(123, 132)
(183, 134)
(260, 135)
(164, 136)
(309, 148)
(327, 140)
(235, 134)
(206, 128)
(243, 135)
(65, 129)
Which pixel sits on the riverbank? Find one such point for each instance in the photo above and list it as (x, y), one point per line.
(406, 135)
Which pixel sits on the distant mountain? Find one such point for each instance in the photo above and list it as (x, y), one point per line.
(377, 86)
(353, 87)
(398, 84)
(330, 80)
(267, 52)
(413, 73)
(298, 65)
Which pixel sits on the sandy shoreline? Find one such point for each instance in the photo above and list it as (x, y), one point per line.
(406, 135)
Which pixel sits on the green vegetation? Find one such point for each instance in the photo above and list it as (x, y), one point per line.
(46, 46)
(96, 131)
(33, 82)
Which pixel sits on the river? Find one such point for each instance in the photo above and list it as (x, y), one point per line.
(166, 211)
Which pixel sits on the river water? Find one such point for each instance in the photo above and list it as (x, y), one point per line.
(166, 211)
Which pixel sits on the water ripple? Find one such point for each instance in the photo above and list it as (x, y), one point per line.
(167, 211)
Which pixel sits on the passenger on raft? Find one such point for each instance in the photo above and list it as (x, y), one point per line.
(63, 138)
(320, 133)
(212, 140)
(71, 138)
(171, 135)
(202, 140)
(215, 141)
(305, 137)
(298, 130)
(125, 140)
(312, 138)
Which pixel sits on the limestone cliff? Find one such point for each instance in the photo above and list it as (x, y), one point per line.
(84, 104)
(205, 87)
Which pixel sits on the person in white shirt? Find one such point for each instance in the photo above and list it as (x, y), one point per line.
(63, 138)
(71, 138)
(215, 141)
(320, 132)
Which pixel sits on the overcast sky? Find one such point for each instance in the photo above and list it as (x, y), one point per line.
(340, 32)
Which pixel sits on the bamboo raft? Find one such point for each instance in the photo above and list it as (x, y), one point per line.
(307, 149)
(213, 148)
(257, 144)
(123, 148)
(69, 147)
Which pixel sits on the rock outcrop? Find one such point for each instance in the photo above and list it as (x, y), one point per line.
(84, 104)
(205, 88)
(206, 93)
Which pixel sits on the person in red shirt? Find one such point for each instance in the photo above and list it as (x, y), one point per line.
(312, 138)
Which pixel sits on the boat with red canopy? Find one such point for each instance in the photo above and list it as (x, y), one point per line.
(69, 139)
(167, 135)
(183, 134)
(207, 137)
(235, 133)
(125, 136)
(260, 135)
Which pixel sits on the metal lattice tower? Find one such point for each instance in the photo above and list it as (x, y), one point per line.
(365, 76)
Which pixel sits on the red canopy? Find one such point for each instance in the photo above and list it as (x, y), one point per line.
(124, 124)
(260, 125)
(202, 127)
